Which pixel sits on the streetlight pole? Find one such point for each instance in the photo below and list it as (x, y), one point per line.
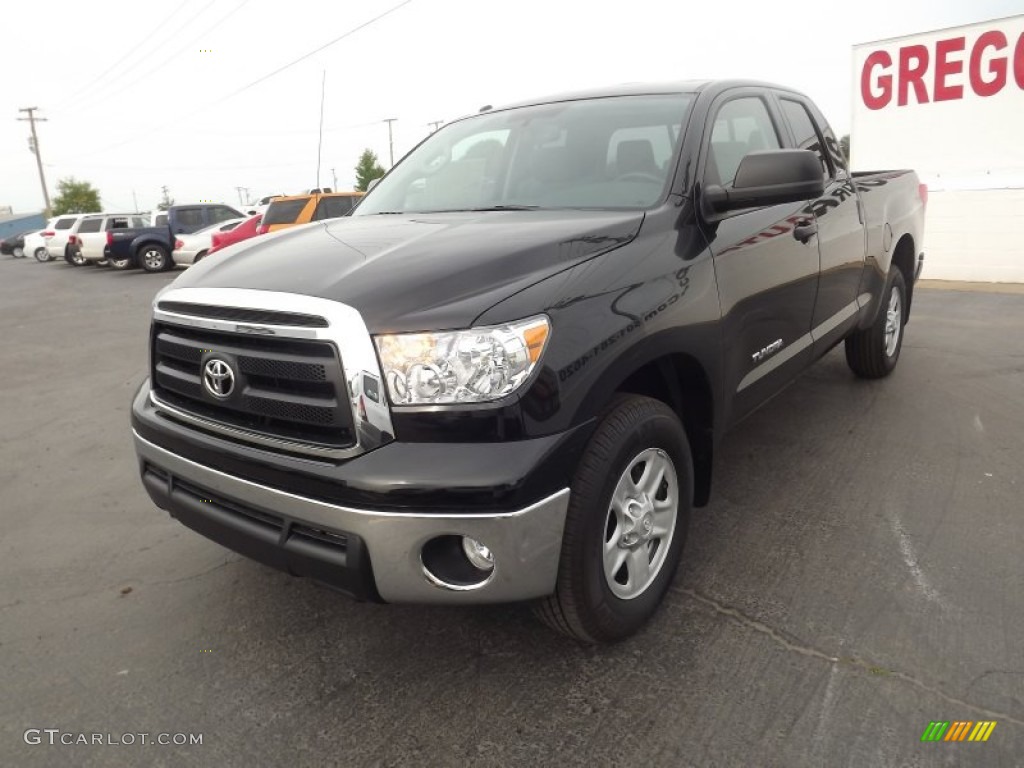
(35, 149)
(391, 141)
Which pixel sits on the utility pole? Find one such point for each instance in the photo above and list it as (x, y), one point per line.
(335, 176)
(239, 191)
(136, 201)
(35, 149)
(435, 124)
(391, 141)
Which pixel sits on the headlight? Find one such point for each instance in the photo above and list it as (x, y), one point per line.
(471, 366)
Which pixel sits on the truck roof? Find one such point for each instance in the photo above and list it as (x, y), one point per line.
(642, 89)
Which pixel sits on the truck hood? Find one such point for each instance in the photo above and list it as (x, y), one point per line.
(417, 271)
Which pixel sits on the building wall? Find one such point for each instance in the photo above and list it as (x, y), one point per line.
(950, 105)
(12, 226)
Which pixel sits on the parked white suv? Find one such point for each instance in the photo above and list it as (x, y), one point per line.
(58, 229)
(92, 233)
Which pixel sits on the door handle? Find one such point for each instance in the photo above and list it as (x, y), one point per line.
(805, 230)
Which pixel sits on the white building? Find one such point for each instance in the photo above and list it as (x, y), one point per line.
(950, 105)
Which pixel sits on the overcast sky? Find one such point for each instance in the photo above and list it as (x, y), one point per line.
(140, 95)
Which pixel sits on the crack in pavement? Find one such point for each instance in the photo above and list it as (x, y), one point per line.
(227, 562)
(875, 670)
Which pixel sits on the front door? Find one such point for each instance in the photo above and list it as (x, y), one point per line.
(767, 279)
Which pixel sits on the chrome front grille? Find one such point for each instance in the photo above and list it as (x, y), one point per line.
(292, 389)
(305, 374)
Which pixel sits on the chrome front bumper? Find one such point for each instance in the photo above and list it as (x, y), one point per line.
(526, 543)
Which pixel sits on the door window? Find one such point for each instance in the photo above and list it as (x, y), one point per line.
(741, 126)
(90, 225)
(804, 131)
(190, 218)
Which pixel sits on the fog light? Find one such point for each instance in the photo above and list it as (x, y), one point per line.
(477, 554)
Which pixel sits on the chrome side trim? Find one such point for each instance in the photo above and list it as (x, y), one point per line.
(526, 543)
(830, 324)
(345, 329)
(787, 354)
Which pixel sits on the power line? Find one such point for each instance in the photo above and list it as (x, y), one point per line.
(305, 56)
(149, 132)
(100, 98)
(142, 41)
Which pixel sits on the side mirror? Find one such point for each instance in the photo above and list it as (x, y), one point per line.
(770, 177)
(372, 184)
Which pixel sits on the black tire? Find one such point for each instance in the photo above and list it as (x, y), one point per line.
(76, 259)
(121, 264)
(154, 258)
(871, 353)
(583, 605)
(99, 262)
(18, 253)
(41, 255)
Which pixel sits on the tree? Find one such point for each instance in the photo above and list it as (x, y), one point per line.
(75, 196)
(844, 145)
(166, 201)
(367, 169)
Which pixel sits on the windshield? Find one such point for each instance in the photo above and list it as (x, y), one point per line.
(613, 152)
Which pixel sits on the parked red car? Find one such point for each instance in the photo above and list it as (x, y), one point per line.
(245, 230)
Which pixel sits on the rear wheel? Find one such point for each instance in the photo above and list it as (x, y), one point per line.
(874, 352)
(19, 253)
(154, 258)
(626, 524)
(77, 258)
(120, 264)
(41, 255)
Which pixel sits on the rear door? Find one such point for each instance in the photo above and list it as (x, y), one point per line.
(334, 207)
(92, 238)
(285, 213)
(839, 218)
(767, 279)
(186, 220)
(61, 229)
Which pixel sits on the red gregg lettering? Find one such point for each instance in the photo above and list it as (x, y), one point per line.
(1018, 62)
(884, 81)
(996, 66)
(913, 65)
(944, 68)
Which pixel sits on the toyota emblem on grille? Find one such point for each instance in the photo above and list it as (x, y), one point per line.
(218, 378)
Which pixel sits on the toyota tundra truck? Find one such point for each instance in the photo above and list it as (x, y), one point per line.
(503, 376)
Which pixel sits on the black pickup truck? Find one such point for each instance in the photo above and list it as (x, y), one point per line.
(503, 377)
(151, 247)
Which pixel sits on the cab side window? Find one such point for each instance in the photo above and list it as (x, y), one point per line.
(805, 132)
(741, 126)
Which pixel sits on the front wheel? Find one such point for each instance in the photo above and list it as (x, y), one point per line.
(41, 255)
(155, 258)
(120, 264)
(626, 524)
(873, 352)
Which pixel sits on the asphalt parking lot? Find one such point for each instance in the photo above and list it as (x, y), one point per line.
(858, 574)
